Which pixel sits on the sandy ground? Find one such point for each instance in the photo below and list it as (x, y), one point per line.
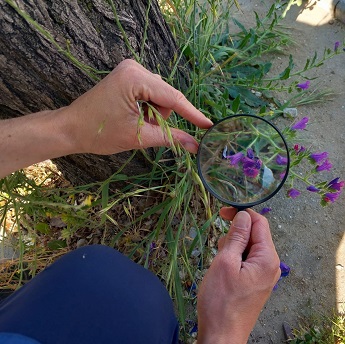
(309, 238)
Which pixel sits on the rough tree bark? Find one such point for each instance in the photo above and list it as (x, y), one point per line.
(35, 76)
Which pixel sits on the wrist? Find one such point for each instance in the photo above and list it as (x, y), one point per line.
(235, 330)
(67, 132)
(227, 337)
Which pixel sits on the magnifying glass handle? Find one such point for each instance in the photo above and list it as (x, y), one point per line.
(240, 208)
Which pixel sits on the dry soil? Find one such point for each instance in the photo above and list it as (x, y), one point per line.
(309, 238)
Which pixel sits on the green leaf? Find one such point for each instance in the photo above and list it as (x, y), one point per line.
(266, 67)
(271, 10)
(244, 30)
(262, 109)
(246, 95)
(56, 244)
(286, 73)
(119, 177)
(313, 60)
(236, 104)
(43, 228)
(258, 20)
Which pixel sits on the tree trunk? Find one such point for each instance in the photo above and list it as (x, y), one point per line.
(36, 76)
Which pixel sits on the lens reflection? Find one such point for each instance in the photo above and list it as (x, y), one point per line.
(243, 160)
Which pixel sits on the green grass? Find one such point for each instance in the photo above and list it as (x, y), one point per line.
(163, 220)
(321, 330)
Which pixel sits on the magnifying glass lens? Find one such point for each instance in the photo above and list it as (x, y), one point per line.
(243, 160)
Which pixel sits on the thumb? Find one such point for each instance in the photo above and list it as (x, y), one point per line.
(238, 236)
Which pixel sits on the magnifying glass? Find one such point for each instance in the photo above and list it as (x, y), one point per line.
(243, 160)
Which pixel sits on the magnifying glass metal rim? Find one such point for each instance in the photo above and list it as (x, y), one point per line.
(242, 206)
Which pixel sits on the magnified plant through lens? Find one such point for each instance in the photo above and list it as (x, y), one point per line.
(243, 159)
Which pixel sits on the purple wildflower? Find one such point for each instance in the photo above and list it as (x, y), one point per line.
(251, 167)
(335, 184)
(285, 269)
(235, 159)
(304, 85)
(250, 153)
(276, 285)
(326, 165)
(282, 175)
(300, 125)
(313, 188)
(331, 197)
(293, 193)
(281, 160)
(194, 329)
(319, 157)
(299, 149)
(265, 210)
(336, 46)
(152, 246)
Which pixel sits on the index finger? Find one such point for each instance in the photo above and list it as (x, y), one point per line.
(180, 104)
(161, 93)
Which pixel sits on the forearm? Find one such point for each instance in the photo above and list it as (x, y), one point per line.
(104, 120)
(33, 138)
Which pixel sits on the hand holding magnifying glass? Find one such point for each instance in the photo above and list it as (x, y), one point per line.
(243, 160)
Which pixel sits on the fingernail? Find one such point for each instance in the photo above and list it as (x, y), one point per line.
(190, 146)
(211, 123)
(242, 220)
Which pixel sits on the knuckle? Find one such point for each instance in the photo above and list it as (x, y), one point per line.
(179, 97)
(237, 236)
(223, 261)
(273, 265)
(127, 68)
(127, 63)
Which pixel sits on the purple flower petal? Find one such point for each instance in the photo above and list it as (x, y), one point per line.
(302, 149)
(336, 45)
(251, 167)
(313, 188)
(265, 210)
(293, 193)
(335, 180)
(281, 160)
(331, 197)
(319, 157)
(194, 329)
(251, 172)
(301, 124)
(325, 166)
(152, 246)
(250, 153)
(285, 269)
(299, 149)
(235, 159)
(335, 184)
(304, 85)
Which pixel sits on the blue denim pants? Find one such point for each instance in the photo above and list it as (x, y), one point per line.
(91, 295)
